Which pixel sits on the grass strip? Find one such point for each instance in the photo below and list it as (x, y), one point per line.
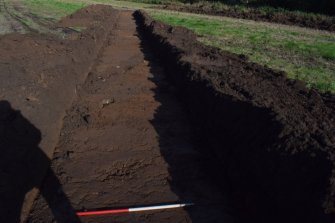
(305, 54)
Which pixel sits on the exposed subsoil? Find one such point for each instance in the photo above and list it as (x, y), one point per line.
(287, 18)
(272, 138)
(137, 112)
(126, 141)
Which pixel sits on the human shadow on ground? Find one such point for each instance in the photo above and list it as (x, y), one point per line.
(21, 165)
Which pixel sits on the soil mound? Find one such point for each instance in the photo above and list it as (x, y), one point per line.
(88, 16)
(273, 139)
(287, 18)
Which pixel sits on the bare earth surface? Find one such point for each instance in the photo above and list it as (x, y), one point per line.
(116, 138)
(127, 113)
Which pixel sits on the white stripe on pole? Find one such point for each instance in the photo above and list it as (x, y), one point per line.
(158, 207)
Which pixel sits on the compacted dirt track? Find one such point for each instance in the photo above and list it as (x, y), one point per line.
(8, 23)
(117, 140)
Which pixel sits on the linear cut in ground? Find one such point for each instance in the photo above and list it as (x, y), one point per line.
(126, 141)
(272, 137)
(147, 114)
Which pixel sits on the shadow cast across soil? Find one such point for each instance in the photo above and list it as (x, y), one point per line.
(19, 160)
(191, 176)
(233, 138)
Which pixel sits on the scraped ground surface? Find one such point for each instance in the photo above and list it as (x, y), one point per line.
(93, 113)
(117, 139)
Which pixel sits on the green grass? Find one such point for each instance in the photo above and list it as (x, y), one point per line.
(305, 54)
(54, 9)
(237, 7)
(38, 15)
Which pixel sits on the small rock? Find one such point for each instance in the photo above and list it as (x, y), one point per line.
(31, 98)
(106, 102)
(117, 67)
(102, 79)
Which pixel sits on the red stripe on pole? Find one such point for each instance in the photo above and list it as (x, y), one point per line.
(134, 209)
(90, 213)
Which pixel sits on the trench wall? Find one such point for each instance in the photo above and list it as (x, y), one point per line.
(271, 138)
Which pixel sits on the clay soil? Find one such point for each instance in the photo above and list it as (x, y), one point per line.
(287, 18)
(131, 112)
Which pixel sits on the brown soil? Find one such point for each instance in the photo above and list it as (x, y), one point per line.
(287, 18)
(272, 138)
(125, 141)
(33, 70)
(134, 114)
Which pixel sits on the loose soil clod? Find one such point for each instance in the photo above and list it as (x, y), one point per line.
(106, 102)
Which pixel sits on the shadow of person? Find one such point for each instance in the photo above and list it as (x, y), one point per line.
(21, 165)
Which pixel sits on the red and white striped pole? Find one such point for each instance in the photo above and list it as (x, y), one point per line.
(136, 209)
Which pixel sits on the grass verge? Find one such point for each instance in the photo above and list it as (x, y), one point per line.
(53, 9)
(308, 55)
(247, 8)
(35, 15)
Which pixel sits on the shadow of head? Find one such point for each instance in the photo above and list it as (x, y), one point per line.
(23, 165)
(15, 129)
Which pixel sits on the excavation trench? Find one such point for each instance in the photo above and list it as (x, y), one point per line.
(126, 141)
(270, 140)
(154, 116)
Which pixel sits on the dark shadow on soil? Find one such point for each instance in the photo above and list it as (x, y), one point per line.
(20, 158)
(189, 173)
(233, 138)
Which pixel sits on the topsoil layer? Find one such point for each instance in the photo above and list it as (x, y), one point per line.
(287, 18)
(272, 139)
